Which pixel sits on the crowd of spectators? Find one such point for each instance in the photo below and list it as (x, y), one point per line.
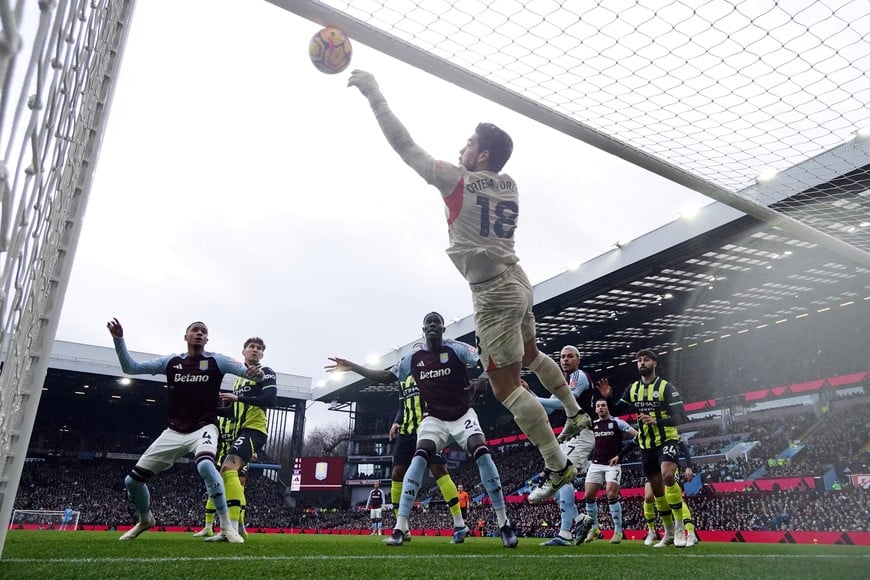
(836, 439)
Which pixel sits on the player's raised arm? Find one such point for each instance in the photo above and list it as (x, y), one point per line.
(128, 364)
(398, 136)
(343, 365)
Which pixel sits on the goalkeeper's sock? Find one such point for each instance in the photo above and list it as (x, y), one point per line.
(551, 376)
(531, 418)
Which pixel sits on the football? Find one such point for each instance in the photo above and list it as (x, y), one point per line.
(330, 50)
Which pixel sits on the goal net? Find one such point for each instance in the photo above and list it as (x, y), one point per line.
(44, 520)
(758, 104)
(58, 64)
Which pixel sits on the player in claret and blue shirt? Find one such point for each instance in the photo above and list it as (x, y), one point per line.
(193, 384)
(440, 369)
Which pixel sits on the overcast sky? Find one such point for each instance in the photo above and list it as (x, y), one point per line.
(239, 186)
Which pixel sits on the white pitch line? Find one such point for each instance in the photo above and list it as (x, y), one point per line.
(681, 556)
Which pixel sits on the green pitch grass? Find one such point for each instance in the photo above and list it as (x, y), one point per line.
(72, 555)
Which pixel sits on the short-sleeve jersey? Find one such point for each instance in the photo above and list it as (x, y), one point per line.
(608, 439)
(249, 416)
(655, 399)
(441, 377)
(482, 209)
(376, 499)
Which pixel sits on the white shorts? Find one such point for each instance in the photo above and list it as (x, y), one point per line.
(171, 445)
(503, 317)
(376, 513)
(443, 432)
(578, 449)
(601, 474)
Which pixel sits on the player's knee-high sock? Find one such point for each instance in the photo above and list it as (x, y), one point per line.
(616, 514)
(214, 487)
(492, 482)
(664, 510)
(451, 496)
(235, 495)
(209, 513)
(687, 518)
(551, 377)
(649, 514)
(531, 417)
(396, 496)
(592, 511)
(674, 495)
(410, 487)
(138, 494)
(568, 508)
(244, 508)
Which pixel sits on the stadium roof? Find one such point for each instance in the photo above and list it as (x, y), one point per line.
(719, 275)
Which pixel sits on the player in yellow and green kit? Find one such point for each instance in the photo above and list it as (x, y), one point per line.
(659, 410)
(649, 508)
(247, 407)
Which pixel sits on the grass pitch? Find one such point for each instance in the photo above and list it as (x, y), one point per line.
(53, 554)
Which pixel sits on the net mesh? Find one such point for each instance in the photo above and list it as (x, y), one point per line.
(726, 91)
(45, 520)
(56, 65)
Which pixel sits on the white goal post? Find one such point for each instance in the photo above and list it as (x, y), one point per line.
(44, 520)
(59, 61)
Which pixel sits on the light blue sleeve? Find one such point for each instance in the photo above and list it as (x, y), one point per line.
(551, 404)
(402, 369)
(623, 426)
(130, 366)
(229, 365)
(466, 353)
